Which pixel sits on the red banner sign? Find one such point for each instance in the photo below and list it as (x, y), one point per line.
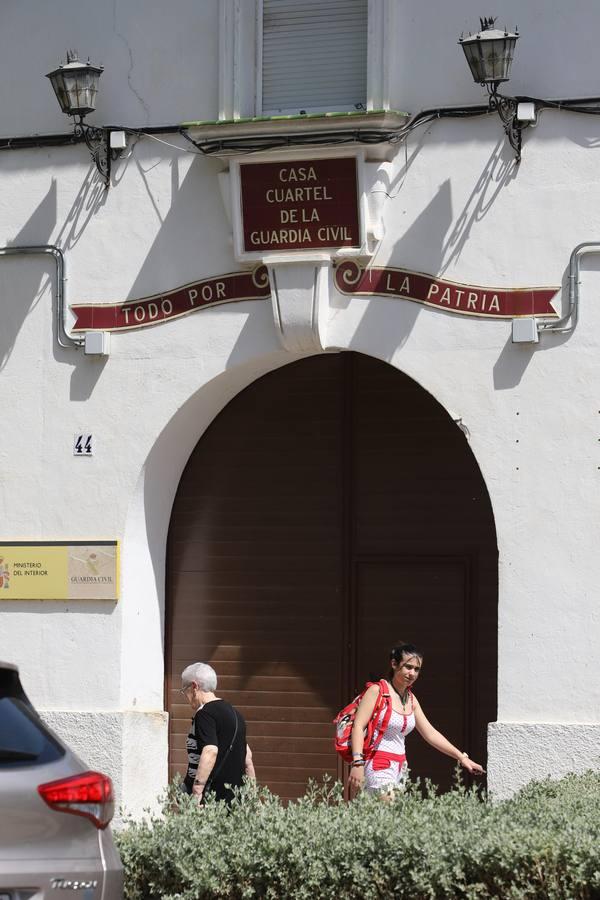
(300, 205)
(161, 307)
(469, 300)
(350, 278)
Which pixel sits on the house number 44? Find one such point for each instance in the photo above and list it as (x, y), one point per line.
(83, 445)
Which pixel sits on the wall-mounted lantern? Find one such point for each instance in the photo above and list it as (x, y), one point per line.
(489, 54)
(76, 85)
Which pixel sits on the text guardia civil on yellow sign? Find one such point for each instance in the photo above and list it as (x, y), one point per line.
(59, 570)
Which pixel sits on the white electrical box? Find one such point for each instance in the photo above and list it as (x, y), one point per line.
(118, 140)
(97, 343)
(525, 331)
(526, 112)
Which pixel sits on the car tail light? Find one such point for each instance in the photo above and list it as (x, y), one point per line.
(89, 794)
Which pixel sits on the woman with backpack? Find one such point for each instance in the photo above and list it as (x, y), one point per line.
(385, 768)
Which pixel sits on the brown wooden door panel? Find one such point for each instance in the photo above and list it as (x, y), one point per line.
(270, 731)
(331, 508)
(423, 601)
(243, 659)
(255, 573)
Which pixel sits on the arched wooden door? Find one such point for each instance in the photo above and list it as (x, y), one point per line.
(332, 508)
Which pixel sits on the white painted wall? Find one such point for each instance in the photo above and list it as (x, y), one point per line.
(160, 60)
(457, 207)
(552, 57)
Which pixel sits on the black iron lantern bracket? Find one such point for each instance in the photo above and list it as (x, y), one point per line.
(76, 85)
(98, 143)
(489, 54)
(507, 109)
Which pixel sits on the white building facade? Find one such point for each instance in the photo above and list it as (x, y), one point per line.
(418, 271)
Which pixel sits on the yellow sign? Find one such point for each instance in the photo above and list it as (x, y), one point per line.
(73, 570)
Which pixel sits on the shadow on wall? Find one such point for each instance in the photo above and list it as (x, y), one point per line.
(429, 245)
(512, 363)
(182, 237)
(149, 512)
(190, 241)
(395, 184)
(497, 173)
(422, 241)
(40, 230)
(435, 241)
(90, 197)
(37, 230)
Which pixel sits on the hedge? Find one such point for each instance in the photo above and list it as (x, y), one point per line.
(542, 843)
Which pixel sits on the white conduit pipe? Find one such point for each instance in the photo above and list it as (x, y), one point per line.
(569, 320)
(63, 339)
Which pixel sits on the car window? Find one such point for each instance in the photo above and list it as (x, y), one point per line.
(24, 740)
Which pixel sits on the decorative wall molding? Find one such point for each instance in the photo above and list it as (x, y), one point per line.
(300, 297)
(300, 278)
(381, 27)
(237, 59)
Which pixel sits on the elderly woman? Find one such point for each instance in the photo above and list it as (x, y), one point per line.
(387, 768)
(218, 755)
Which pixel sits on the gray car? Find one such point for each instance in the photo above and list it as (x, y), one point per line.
(55, 839)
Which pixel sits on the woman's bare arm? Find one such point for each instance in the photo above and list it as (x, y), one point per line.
(249, 765)
(437, 740)
(206, 764)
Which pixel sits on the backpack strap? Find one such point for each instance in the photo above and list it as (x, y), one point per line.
(384, 698)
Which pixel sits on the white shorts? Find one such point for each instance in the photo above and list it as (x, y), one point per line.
(385, 779)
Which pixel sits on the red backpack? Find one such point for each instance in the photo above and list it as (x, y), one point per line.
(345, 720)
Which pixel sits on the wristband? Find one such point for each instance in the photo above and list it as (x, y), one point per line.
(357, 764)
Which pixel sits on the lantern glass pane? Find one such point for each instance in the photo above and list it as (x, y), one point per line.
(82, 91)
(76, 88)
(59, 89)
(490, 60)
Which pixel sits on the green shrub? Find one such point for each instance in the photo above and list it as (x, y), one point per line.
(543, 843)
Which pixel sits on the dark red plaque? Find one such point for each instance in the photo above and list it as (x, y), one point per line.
(300, 204)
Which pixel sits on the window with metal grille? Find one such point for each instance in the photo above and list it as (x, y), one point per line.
(313, 56)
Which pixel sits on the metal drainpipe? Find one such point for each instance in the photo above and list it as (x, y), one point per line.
(572, 314)
(63, 339)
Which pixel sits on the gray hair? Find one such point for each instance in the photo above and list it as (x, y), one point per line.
(203, 674)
